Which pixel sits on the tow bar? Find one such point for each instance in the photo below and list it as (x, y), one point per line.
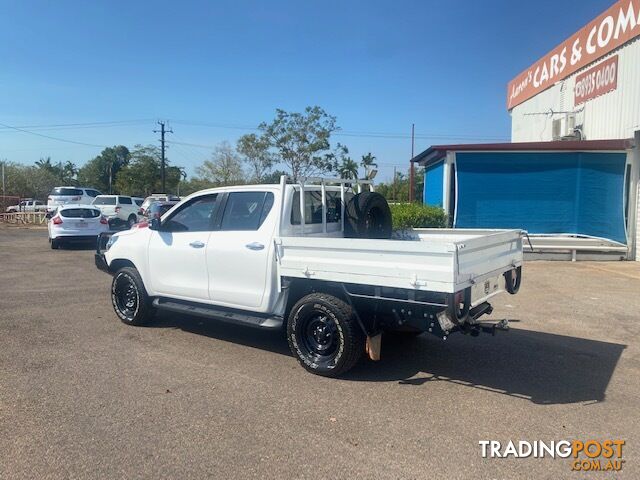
(492, 328)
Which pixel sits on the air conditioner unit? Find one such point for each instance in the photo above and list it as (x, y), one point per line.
(556, 130)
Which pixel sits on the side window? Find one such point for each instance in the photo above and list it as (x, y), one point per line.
(246, 210)
(313, 207)
(125, 200)
(195, 216)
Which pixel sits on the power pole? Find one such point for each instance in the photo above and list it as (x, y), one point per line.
(395, 199)
(411, 171)
(162, 131)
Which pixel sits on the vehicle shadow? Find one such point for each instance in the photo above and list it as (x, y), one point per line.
(270, 340)
(540, 367)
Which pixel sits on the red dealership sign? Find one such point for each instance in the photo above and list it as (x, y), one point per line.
(597, 80)
(616, 26)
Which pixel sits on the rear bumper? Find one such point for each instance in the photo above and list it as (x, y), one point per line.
(101, 262)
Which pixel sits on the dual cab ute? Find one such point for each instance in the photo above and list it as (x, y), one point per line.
(314, 259)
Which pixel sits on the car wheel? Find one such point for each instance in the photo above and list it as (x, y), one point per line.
(367, 215)
(324, 336)
(129, 297)
(132, 220)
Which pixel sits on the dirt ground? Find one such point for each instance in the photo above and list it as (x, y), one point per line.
(84, 396)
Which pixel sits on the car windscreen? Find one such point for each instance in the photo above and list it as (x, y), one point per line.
(105, 201)
(64, 191)
(79, 213)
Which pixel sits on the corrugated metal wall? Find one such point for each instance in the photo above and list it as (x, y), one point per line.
(613, 115)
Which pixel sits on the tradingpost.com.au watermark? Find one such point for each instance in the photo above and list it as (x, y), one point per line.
(586, 456)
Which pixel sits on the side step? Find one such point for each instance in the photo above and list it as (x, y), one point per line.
(238, 317)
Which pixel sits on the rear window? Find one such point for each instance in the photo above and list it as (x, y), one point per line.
(79, 213)
(139, 201)
(105, 201)
(313, 207)
(71, 192)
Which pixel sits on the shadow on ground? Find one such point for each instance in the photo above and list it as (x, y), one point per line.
(540, 367)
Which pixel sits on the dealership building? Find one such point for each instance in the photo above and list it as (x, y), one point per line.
(570, 174)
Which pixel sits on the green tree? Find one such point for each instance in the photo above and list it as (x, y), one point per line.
(29, 181)
(65, 172)
(301, 140)
(224, 167)
(368, 162)
(398, 191)
(141, 175)
(101, 171)
(255, 153)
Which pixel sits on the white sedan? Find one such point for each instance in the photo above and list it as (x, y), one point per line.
(76, 223)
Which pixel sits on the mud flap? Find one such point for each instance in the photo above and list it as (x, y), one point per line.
(372, 347)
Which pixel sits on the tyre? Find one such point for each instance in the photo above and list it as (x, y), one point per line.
(131, 221)
(129, 297)
(55, 243)
(367, 215)
(324, 336)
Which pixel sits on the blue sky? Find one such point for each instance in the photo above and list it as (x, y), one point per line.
(215, 69)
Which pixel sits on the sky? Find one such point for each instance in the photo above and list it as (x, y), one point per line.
(216, 69)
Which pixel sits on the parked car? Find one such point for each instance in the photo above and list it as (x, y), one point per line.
(70, 195)
(72, 223)
(285, 256)
(138, 201)
(28, 205)
(157, 197)
(119, 209)
(157, 209)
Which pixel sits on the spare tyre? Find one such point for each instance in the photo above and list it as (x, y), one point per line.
(367, 215)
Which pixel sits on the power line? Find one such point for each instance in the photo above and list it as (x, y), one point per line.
(74, 126)
(52, 138)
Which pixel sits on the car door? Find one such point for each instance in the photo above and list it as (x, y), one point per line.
(177, 251)
(240, 252)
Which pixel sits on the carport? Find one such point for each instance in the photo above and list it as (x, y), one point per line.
(577, 199)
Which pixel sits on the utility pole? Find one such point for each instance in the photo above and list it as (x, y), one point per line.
(162, 131)
(411, 171)
(395, 198)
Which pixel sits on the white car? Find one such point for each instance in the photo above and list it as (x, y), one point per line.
(76, 223)
(118, 209)
(156, 197)
(314, 259)
(28, 205)
(70, 195)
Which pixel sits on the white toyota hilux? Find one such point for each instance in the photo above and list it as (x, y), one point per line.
(315, 259)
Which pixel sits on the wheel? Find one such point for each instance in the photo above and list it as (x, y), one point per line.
(55, 243)
(367, 215)
(129, 297)
(512, 279)
(324, 335)
(131, 221)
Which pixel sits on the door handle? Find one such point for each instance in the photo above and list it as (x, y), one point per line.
(196, 244)
(254, 246)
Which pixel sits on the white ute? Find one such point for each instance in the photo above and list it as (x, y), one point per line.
(320, 264)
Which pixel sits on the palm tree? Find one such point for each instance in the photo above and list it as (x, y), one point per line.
(367, 162)
(348, 168)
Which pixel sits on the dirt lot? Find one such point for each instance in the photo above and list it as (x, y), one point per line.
(82, 395)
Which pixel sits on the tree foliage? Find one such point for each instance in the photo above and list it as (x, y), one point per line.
(29, 181)
(255, 153)
(398, 190)
(224, 167)
(101, 171)
(141, 175)
(301, 140)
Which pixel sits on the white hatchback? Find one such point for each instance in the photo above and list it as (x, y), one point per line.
(76, 223)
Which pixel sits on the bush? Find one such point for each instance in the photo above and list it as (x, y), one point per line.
(417, 215)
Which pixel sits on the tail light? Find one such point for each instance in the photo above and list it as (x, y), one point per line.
(142, 224)
(57, 220)
(104, 221)
(75, 199)
(118, 209)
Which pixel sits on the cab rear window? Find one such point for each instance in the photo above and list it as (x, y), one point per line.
(105, 201)
(66, 192)
(79, 213)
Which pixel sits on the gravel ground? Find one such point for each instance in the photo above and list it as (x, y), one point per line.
(84, 396)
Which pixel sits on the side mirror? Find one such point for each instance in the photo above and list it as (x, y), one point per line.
(154, 224)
